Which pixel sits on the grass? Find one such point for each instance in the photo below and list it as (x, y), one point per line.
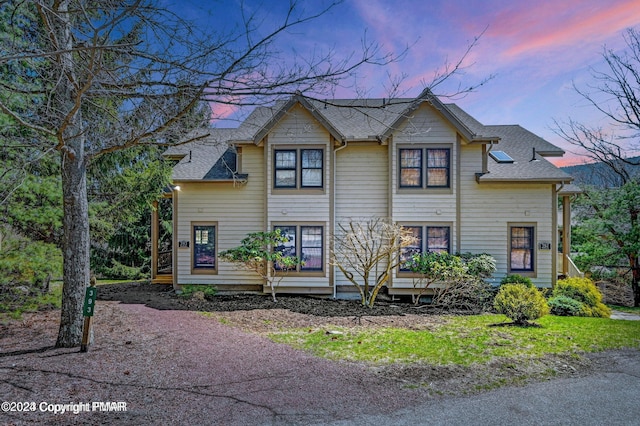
(467, 340)
(186, 290)
(107, 281)
(14, 309)
(628, 309)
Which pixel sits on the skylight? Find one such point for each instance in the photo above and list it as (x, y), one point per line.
(500, 157)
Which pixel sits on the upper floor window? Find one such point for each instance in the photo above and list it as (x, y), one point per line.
(298, 168)
(428, 239)
(425, 167)
(306, 242)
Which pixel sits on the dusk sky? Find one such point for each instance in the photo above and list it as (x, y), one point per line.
(535, 49)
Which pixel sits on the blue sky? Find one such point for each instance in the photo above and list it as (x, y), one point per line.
(535, 49)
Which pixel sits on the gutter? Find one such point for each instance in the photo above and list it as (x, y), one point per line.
(333, 213)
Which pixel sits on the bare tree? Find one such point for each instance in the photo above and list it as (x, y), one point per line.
(367, 252)
(115, 74)
(616, 95)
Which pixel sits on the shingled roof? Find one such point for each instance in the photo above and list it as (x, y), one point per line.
(208, 154)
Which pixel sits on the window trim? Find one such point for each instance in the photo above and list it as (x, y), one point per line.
(532, 273)
(276, 169)
(420, 168)
(424, 230)
(424, 169)
(299, 187)
(204, 270)
(299, 271)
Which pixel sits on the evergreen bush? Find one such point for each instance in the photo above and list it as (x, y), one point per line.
(517, 279)
(118, 271)
(520, 303)
(585, 292)
(564, 306)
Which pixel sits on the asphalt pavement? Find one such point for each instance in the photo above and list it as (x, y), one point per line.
(609, 397)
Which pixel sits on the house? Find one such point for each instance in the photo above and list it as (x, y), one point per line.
(304, 165)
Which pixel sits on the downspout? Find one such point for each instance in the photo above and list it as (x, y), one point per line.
(565, 255)
(566, 230)
(333, 213)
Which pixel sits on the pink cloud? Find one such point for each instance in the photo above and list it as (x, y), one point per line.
(562, 24)
(221, 111)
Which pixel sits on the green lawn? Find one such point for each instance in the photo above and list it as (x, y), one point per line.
(464, 340)
(628, 309)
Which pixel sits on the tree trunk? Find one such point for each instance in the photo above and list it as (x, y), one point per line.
(75, 242)
(75, 246)
(635, 281)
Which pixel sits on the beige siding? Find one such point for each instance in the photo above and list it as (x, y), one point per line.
(366, 186)
(237, 209)
(487, 209)
(362, 182)
(425, 128)
(361, 187)
(299, 128)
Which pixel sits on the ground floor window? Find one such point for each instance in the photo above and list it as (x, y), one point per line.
(306, 242)
(428, 239)
(204, 246)
(521, 248)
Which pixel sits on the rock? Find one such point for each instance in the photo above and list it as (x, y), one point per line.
(197, 295)
(22, 289)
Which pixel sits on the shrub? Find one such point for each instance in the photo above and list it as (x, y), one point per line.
(26, 268)
(119, 271)
(520, 303)
(564, 306)
(473, 296)
(25, 262)
(479, 265)
(585, 292)
(187, 290)
(517, 279)
(462, 276)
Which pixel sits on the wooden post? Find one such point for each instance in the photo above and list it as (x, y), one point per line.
(84, 347)
(89, 305)
(155, 224)
(566, 234)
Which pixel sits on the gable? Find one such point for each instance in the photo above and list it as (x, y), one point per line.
(301, 120)
(298, 126)
(423, 125)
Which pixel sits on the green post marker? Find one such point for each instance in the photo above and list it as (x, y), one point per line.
(90, 301)
(89, 304)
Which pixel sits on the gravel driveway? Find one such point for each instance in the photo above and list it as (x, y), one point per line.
(181, 367)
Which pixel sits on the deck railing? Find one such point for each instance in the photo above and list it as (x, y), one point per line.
(573, 269)
(165, 262)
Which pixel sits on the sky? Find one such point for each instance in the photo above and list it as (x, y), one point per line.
(535, 50)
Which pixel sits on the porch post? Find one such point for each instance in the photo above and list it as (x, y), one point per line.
(154, 240)
(566, 233)
(174, 239)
